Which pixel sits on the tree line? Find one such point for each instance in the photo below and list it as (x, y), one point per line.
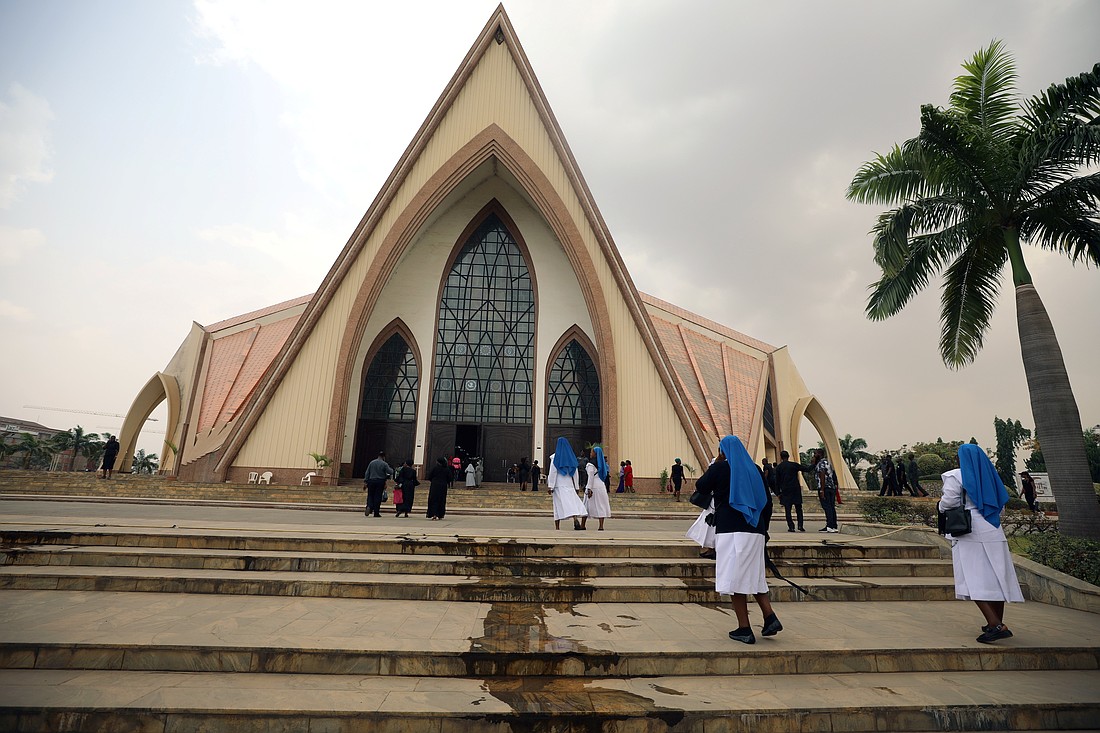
(34, 453)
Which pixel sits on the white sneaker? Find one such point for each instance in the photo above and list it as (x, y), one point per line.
(830, 529)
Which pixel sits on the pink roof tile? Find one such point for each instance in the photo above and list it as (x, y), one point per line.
(245, 317)
(653, 302)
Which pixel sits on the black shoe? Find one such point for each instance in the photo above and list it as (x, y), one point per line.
(378, 515)
(823, 529)
(801, 529)
(791, 528)
(772, 626)
(708, 554)
(1000, 631)
(743, 635)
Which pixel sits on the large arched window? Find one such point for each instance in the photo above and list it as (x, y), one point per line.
(486, 332)
(574, 388)
(389, 388)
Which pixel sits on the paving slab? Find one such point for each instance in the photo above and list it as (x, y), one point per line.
(853, 702)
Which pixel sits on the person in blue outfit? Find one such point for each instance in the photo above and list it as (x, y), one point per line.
(981, 560)
(742, 512)
(562, 483)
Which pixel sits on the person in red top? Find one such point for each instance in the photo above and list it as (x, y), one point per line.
(628, 477)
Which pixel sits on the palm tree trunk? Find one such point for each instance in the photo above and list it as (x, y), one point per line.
(1057, 419)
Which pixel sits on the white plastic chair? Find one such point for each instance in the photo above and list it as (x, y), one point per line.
(253, 477)
(265, 478)
(307, 480)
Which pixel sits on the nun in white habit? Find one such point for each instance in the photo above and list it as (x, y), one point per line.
(981, 560)
(742, 512)
(561, 484)
(596, 499)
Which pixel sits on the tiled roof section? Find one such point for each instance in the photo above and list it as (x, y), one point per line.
(237, 363)
(722, 382)
(681, 365)
(725, 331)
(246, 317)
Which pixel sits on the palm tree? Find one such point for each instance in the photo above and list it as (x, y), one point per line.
(33, 450)
(852, 450)
(984, 175)
(77, 440)
(144, 462)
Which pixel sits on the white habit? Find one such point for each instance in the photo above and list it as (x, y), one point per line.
(981, 560)
(740, 563)
(471, 479)
(596, 500)
(564, 492)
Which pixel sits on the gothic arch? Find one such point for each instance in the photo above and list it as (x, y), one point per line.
(810, 408)
(492, 142)
(159, 388)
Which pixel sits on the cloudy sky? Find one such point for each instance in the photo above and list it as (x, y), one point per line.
(163, 162)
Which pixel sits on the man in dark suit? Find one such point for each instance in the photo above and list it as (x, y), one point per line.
(789, 488)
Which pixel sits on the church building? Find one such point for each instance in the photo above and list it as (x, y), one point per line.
(481, 307)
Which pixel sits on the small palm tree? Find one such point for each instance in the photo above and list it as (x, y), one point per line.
(144, 462)
(853, 450)
(77, 440)
(983, 176)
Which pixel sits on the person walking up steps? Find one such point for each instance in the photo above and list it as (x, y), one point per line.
(628, 478)
(677, 478)
(981, 560)
(375, 481)
(561, 483)
(742, 512)
(596, 499)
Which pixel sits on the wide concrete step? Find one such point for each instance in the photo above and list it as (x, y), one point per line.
(51, 700)
(199, 633)
(395, 538)
(455, 587)
(332, 562)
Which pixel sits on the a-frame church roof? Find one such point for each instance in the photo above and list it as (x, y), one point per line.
(459, 133)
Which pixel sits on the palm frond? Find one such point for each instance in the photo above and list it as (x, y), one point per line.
(969, 295)
(968, 167)
(899, 175)
(926, 255)
(1064, 219)
(894, 228)
(1077, 98)
(1050, 155)
(986, 95)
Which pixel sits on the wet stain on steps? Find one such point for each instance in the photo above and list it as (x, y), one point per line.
(551, 690)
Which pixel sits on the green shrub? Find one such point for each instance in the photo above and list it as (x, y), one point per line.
(1074, 556)
(898, 510)
(930, 463)
(1016, 504)
(873, 484)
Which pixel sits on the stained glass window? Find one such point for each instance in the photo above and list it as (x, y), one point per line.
(574, 389)
(389, 389)
(485, 333)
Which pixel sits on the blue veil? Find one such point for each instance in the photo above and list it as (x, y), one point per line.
(601, 465)
(982, 483)
(747, 493)
(564, 460)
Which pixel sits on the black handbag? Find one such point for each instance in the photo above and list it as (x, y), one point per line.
(700, 499)
(956, 521)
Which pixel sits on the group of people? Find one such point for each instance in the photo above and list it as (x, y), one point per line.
(735, 529)
(524, 473)
(900, 476)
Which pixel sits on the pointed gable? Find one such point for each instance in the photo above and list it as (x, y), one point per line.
(493, 109)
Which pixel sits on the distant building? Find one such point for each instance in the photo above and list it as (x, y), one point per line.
(481, 307)
(12, 428)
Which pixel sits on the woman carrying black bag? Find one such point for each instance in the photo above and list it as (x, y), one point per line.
(980, 558)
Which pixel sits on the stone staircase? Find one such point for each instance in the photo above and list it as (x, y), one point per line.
(230, 623)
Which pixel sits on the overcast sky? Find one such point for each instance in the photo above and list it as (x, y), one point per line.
(170, 161)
